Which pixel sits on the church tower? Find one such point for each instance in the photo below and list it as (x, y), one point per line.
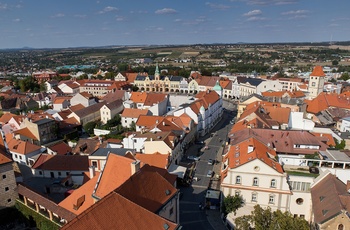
(156, 74)
(316, 82)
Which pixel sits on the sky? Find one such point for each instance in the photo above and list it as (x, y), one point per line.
(77, 23)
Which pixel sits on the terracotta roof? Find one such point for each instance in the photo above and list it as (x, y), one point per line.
(61, 148)
(209, 97)
(22, 147)
(62, 162)
(4, 159)
(154, 98)
(280, 94)
(77, 107)
(86, 146)
(148, 121)
(105, 215)
(6, 117)
(138, 97)
(258, 151)
(133, 113)
(318, 72)
(60, 100)
(85, 190)
(325, 100)
(47, 203)
(112, 96)
(156, 159)
(25, 132)
(86, 95)
(116, 171)
(325, 137)
(149, 190)
(329, 198)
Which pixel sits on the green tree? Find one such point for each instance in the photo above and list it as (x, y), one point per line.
(265, 219)
(232, 204)
(345, 76)
(335, 62)
(133, 126)
(340, 145)
(89, 127)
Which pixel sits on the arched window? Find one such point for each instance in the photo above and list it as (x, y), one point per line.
(273, 183)
(340, 227)
(238, 179)
(255, 181)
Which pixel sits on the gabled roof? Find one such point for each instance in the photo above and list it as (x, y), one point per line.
(114, 104)
(85, 191)
(6, 117)
(154, 98)
(75, 108)
(239, 154)
(25, 132)
(62, 162)
(86, 146)
(284, 93)
(61, 148)
(105, 215)
(138, 97)
(208, 97)
(112, 96)
(4, 159)
(325, 100)
(155, 159)
(149, 190)
(22, 147)
(116, 171)
(88, 110)
(133, 113)
(86, 95)
(329, 198)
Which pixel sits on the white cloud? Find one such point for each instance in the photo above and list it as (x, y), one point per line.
(333, 25)
(120, 18)
(295, 12)
(251, 19)
(60, 15)
(16, 20)
(267, 2)
(108, 9)
(217, 6)
(178, 20)
(166, 11)
(253, 13)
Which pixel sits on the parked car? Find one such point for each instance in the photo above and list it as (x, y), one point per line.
(199, 142)
(210, 173)
(194, 158)
(210, 162)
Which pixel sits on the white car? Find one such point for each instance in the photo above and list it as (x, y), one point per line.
(210, 173)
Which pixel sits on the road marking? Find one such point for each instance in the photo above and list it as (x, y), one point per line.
(199, 186)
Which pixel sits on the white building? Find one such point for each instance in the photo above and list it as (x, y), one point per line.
(316, 82)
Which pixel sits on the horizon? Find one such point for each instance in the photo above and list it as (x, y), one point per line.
(102, 23)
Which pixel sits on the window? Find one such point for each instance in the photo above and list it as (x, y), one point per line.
(40, 173)
(9, 200)
(20, 157)
(299, 201)
(255, 181)
(238, 179)
(67, 173)
(4, 176)
(171, 211)
(273, 183)
(6, 189)
(313, 84)
(254, 197)
(302, 216)
(59, 173)
(94, 163)
(237, 193)
(271, 199)
(135, 141)
(340, 227)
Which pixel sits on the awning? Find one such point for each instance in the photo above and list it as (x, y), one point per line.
(177, 170)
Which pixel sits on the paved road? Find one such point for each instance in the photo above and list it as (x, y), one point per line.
(191, 217)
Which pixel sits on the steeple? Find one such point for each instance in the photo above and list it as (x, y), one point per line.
(156, 73)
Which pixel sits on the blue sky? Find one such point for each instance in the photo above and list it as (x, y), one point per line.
(74, 23)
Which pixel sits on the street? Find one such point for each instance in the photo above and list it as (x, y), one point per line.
(191, 216)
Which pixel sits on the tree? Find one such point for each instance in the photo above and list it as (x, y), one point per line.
(345, 76)
(133, 126)
(89, 127)
(340, 145)
(232, 204)
(335, 62)
(265, 219)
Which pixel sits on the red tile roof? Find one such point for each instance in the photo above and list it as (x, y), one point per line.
(156, 159)
(138, 97)
(25, 132)
(325, 100)
(134, 113)
(259, 151)
(318, 72)
(154, 98)
(105, 214)
(116, 171)
(61, 148)
(22, 147)
(6, 117)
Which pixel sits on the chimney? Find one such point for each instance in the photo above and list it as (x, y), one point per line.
(92, 171)
(348, 186)
(135, 167)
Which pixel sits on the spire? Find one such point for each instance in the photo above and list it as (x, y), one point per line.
(157, 70)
